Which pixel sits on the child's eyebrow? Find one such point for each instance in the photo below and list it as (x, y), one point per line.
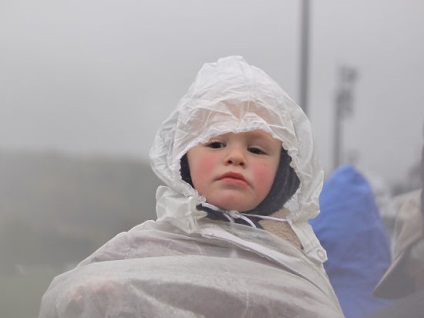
(215, 138)
(259, 135)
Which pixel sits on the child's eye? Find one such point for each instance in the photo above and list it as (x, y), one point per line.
(215, 145)
(256, 150)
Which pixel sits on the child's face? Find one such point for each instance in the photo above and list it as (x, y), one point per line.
(235, 171)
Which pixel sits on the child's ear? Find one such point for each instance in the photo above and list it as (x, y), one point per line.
(185, 170)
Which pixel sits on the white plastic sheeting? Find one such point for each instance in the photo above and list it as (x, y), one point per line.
(156, 270)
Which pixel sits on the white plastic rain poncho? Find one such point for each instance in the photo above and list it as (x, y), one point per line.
(185, 264)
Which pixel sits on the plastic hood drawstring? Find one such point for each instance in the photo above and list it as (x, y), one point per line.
(233, 216)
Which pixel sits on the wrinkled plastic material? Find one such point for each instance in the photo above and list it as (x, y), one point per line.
(186, 265)
(156, 270)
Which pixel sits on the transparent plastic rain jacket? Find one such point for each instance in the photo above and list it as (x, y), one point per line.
(186, 265)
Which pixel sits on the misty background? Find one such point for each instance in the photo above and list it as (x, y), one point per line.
(85, 84)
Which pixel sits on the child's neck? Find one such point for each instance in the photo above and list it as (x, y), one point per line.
(281, 229)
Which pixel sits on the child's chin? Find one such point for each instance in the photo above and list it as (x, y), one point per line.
(234, 207)
(233, 200)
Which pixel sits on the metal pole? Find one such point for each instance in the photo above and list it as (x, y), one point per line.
(343, 109)
(337, 151)
(304, 55)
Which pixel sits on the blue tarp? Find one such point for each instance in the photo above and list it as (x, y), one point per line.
(351, 230)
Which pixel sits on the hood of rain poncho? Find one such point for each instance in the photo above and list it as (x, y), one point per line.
(351, 230)
(233, 96)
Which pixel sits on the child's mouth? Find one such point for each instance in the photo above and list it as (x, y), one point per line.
(234, 178)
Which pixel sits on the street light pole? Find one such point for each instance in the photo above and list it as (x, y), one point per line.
(343, 109)
(304, 55)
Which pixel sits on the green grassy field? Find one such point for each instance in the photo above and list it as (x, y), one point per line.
(20, 295)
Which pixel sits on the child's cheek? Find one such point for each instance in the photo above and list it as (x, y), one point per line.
(206, 164)
(263, 174)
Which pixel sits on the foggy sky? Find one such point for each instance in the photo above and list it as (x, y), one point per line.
(98, 77)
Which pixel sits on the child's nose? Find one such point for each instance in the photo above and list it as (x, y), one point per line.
(236, 156)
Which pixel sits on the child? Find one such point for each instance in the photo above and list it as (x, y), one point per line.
(232, 237)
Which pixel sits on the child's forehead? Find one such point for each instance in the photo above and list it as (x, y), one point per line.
(256, 134)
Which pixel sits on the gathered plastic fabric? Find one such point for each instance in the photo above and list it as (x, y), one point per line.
(156, 270)
(185, 264)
